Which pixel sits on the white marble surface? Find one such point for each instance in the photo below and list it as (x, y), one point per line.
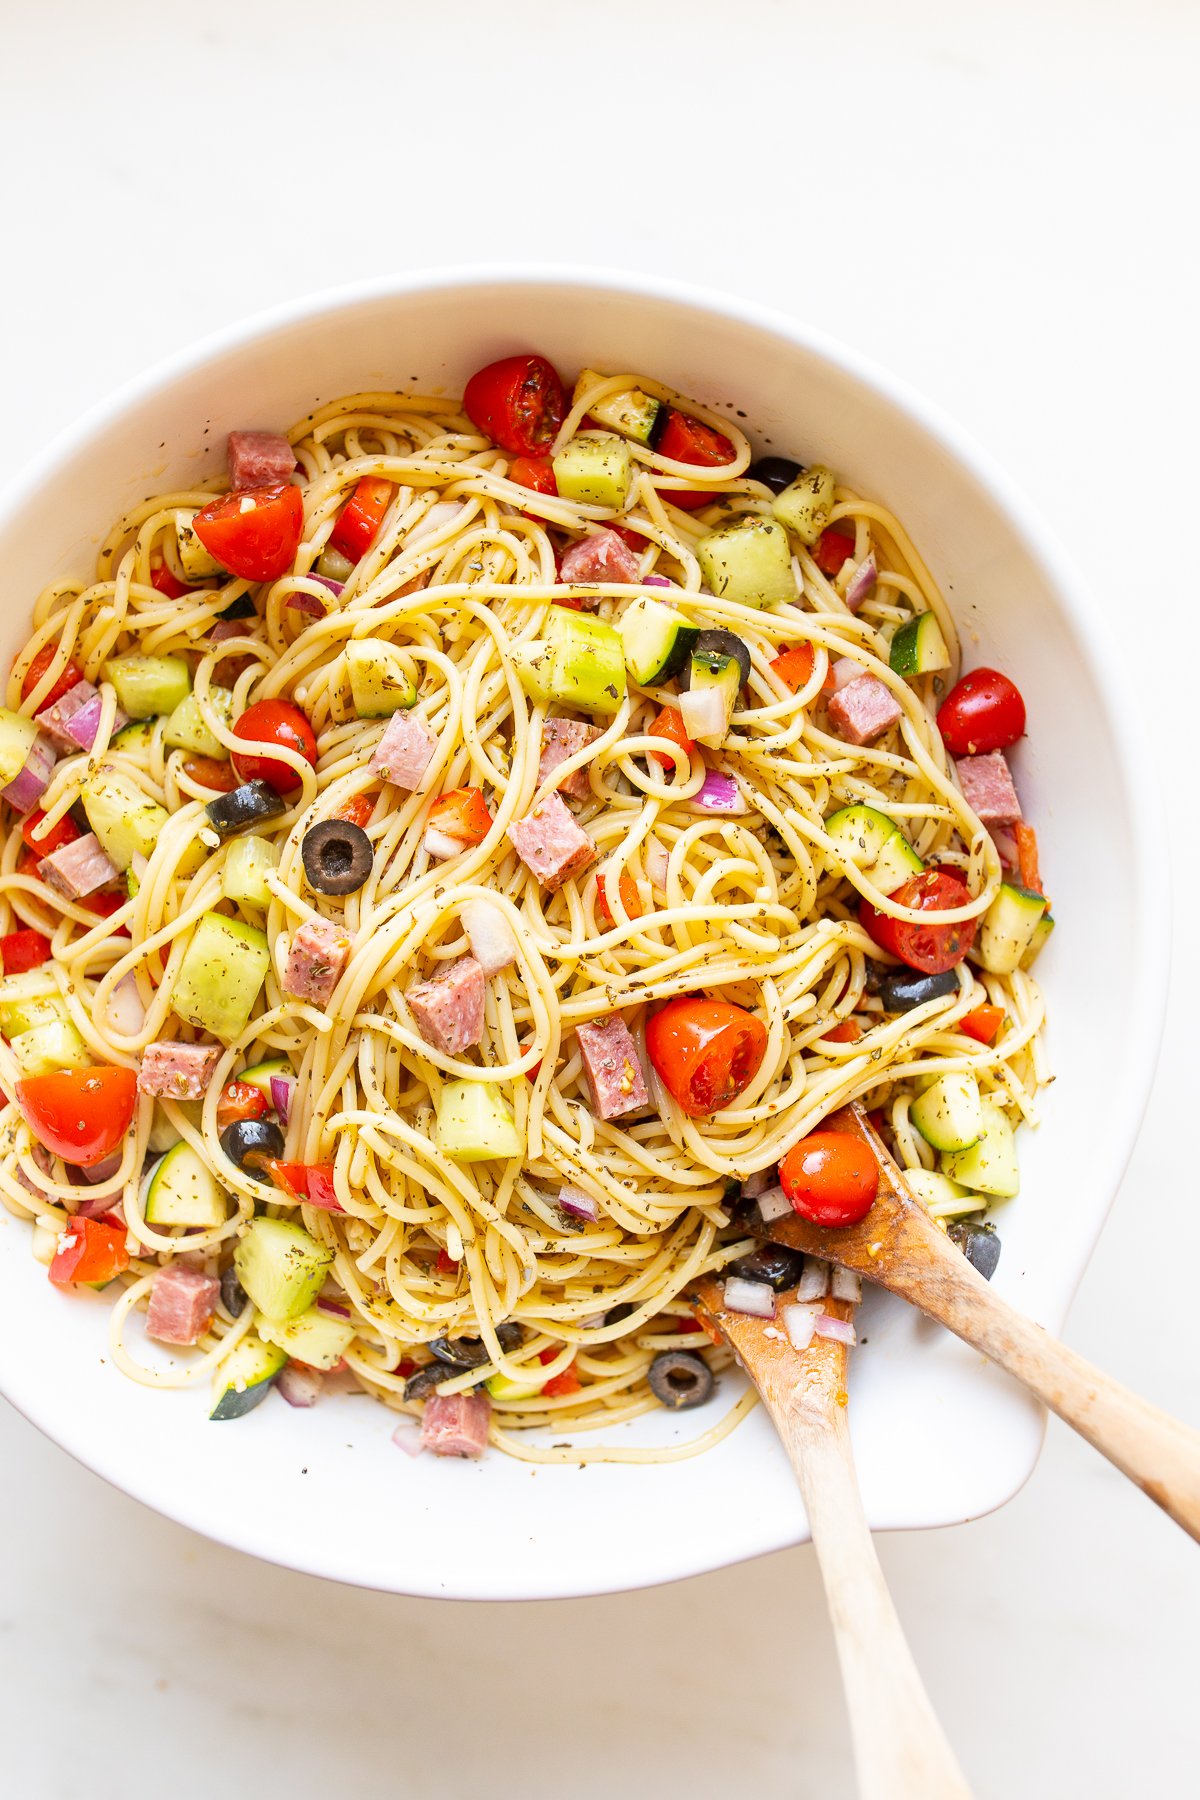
(997, 201)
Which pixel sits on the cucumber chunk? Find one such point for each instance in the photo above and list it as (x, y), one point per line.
(503, 1387)
(148, 685)
(260, 1074)
(29, 999)
(248, 862)
(949, 1114)
(281, 1267)
(657, 640)
(317, 1338)
(628, 411)
(53, 1045)
(194, 559)
(804, 507)
(221, 975)
(379, 682)
(595, 470)
(186, 729)
(475, 1123)
(245, 1377)
(1009, 927)
(181, 1189)
(989, 1166)
(707, 703)
(125, 821)
(748, 560)
(919, 648)
(580, 662)
(874, 843)
(17, 738)
(134, 739)
(945, 1199)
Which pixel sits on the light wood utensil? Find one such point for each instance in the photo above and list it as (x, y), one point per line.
(900, 1750)
(899, 1247)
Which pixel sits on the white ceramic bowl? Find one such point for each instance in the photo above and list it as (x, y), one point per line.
(939, 1435)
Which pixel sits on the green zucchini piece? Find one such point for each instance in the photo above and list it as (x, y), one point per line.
(804, 507)
(628, 411)
(748, 560)
(379, 682)
(874, 843)
(245, 1377)
(123, 819)
(17, 738)
(580, 662)
(317, 1338)
(503, 1387)
(133, 739)
(949, 1114)
(1042, 930)
(181, 1189)
(53, 1045)
(248, 862)
(260, 1074)
(657, 640)
(1009, 927)
(945, 1199)
(221, 975)
(149, 685)
(186, 729)
(595, 470)
(989, 1166)
(194, 559)
(919, 648)
(475, 1123)
(281, 1267)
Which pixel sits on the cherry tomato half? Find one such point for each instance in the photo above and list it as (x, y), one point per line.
(240, 1100)
(830, 1177)
(689, 440)
(705, 1052)
(932, 948)
(37, 668)
(518, 402)
(254, 532)
(273, 722)
(984, 711)
(79, 1114)
(92, 1252)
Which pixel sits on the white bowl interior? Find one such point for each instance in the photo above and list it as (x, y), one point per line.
(939, 1436)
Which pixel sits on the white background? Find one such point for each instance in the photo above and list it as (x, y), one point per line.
(996, 200)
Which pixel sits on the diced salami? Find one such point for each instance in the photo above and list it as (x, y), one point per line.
(987, 787)
(182, 1303)
(864, 710)
(456, 1424)
(601, 557)
(449, 1009)
(178, 1071)
(562, 738)
(78, 869)
(550, 843)
(404, 752)
(258, 459)
(319, 953)
(610, 1062)
(492, 942)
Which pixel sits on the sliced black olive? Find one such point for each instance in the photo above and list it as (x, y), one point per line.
(337, 856)
(775, 472)
(249, 1142)
(905, 988)
(616, 1314)
(772, 1263)
(718, 643)
(233, 1294)
(472, 1352)
(241, 608)
(979, 1243)
(248, 805)
(425, 1380)
(680, 1378)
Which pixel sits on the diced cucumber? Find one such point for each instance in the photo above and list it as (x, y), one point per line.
(874, 843)
(148, 685)
(804, 507)
(126, 823)
(54, 1045)
(595, 470)
(245, 1377)
(944, 1198)
(29, 999)
(248, 862)
(162, 1133)
(708, 701)
(628, 411)
(194, 559)
(1009, 927)
(281, 1267)
(748, 560)
(186, 729)
(949, 1114)
(580, 662)
(919, 648)
(333, 565)
(989, 1166)
(657, 640)
(1042, 930)
(475, 1122)
(221, 975)
(379, 682)
(17, 738)
(317, 1338)
(260, 1074)
(133, 739)
(181, 1189)
(503, 1387)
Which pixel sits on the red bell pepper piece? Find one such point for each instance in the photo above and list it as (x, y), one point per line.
(65, 832)
(71, 674)
(312, 1182)
(462, 814)
(668, 723)
(832, 549)
(359, 521)
(983, 1024)
(24, 950)
(631, 900)
(162, 579)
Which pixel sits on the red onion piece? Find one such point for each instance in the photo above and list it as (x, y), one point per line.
(126, 1012)
(99, 1172)
(491, 936)
(814, 1280)
(333, 1307)
(861, 582)
(846, 1285)
(800, 1322)
(439, 844)
(841, 1330)
(300, 1386)
(656, 581)
(281, 1095)
(82, 727)
(407, 1436)
(703, 711)
(774, 1204)
(336, 588)
(844, 671)
(720, 794)
(573, 1200)
(25, 789)
(307, 603)
(754, 1297)
(658, 862)
(1006, 847)
(98, 1206)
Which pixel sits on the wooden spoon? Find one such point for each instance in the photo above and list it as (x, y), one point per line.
(900, 1247)
(900, 1751)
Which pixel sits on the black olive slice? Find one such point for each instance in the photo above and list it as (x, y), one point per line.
(337, 856)
(250, 1142)
(775, 1264)
(247, 805)
(680, 1379)
(905, 988)
(978, 1242)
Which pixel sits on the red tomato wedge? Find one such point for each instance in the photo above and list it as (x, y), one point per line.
(830, 1177)
(631, 900)
(983, 1024)
(240, 1100)
(210, 773)
(930, 947)
(254, 532)
(982, 712)
(518, 402)
(535, 473)
(23, 950)
(65, 832)
(162, 579)
(705, 1052)
(38, 667)
(689, 440)
(359, 520)
(832, 549)
(79, 1114)
(668, 723)
(462, 814)
(91, 1252)
(273, 722)
(445, 1265)
(311, 1182)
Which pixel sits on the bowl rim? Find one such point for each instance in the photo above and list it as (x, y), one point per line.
(1093, 636)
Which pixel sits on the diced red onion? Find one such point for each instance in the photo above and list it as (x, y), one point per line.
(97, 1206)
(658, 862)
(99, 1172)
(844, 671)
(439, 844)
(407, 1436)
(861, 583)
(593, 1322)
(333, 1307)
(336, 588)
(492, 942)
(720, 794)
(800, 1322)
(281, 1095)
(755, 1297)
(656, 581)
(439, 515)
(26, 788)
(841, 1330)
(773, 1205)
(126, 1013)
(573, 1200)
(846, 1285)
(83, 725)
(758, 1183)
(308, 603)
(814, 1279)
(300, 1387)
(1006, 847)
(703, 711)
